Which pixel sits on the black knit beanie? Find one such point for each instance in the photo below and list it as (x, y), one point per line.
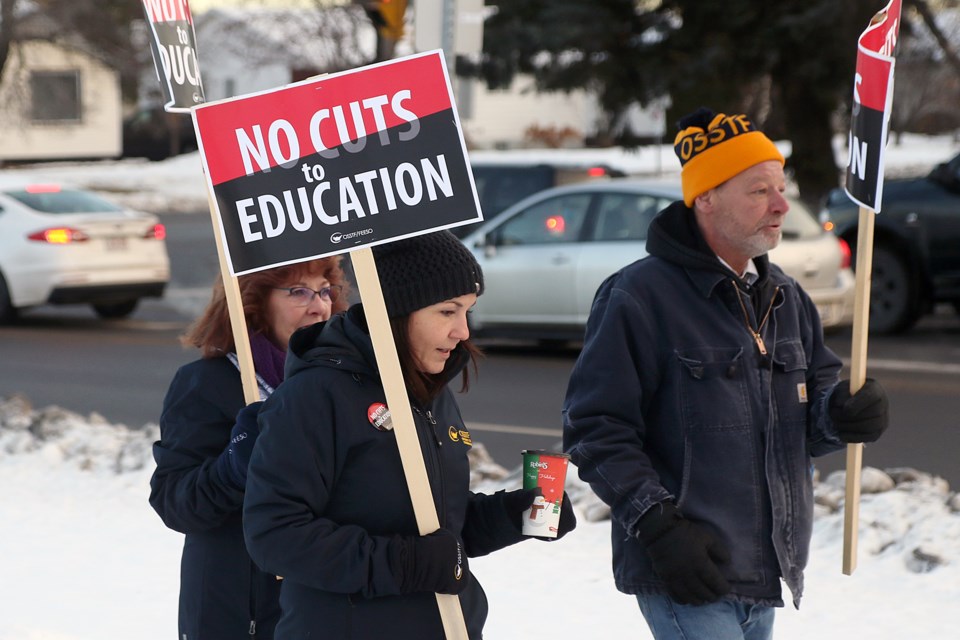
(424, 270)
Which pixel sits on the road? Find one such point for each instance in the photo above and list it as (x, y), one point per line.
(121, 369)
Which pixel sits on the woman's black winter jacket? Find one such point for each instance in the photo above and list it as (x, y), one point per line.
(326, 493)
(222, 593)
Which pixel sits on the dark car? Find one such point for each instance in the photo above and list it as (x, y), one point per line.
(157, 134)
(916, 255)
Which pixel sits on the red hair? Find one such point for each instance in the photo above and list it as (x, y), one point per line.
(212, 333)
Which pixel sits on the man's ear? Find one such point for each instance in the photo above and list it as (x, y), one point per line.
(705, 201)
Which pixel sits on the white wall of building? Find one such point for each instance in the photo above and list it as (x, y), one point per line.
(96, 134)
(500, 119)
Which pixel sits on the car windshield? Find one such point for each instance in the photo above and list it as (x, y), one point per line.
(52, 200)
(799, 223)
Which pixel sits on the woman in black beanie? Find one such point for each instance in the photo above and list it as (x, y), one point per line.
(327, 506)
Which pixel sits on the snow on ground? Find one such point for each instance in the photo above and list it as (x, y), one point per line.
(86, 558)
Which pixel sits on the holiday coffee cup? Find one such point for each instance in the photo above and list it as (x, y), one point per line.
(545, 471)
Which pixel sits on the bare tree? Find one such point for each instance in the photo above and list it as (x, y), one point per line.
(105, 25)
(927, 87)
(930, 21)
(7, 31)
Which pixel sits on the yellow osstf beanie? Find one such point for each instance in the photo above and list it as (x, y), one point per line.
(712, 154)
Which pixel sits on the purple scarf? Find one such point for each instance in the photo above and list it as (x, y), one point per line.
(267, 359)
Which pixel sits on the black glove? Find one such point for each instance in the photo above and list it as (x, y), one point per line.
(234, 461)
(684, 554)
(862, 417)
(434, 562)
(516, 502)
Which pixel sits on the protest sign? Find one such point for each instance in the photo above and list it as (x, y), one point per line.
(173, 44)
(872, 98)
(330, 164)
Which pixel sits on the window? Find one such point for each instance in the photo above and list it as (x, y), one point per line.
(626, 216)
(55, 96)
(51, 199)
(800, 223)
(498, 187)
(552, 221)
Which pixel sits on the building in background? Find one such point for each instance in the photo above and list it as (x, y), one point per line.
(59, 99)
(247, 49)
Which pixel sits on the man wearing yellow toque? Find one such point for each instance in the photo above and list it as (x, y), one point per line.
(703, 390)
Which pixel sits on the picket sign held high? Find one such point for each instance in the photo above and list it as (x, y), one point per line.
(424, 125)
(411, 456)
(869, 126)
(858, 375)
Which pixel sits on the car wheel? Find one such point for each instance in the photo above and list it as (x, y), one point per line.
(115, 310)
(8, 312)
(894, 294)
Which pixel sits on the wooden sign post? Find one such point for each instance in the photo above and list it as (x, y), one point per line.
(411, 456)
(238, 319)
(858, 375)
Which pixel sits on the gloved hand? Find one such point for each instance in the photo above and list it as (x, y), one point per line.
(516, 502)
(435, 562)
(862, 417)
(235, 459)
(684, 554)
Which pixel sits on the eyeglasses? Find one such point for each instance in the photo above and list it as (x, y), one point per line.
(302, 296)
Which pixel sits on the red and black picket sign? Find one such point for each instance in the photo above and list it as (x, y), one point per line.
(173, 43)
(872, 99)
(329, 164)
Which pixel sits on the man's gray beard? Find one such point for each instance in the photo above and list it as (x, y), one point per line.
(759, 245)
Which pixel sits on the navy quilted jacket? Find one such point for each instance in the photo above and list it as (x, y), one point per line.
(222, 593)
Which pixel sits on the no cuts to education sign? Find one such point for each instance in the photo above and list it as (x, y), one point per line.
(330, 164)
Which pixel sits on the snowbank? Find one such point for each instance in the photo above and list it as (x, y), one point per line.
(87, 559)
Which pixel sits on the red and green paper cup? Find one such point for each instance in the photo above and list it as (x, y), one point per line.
(546, 471)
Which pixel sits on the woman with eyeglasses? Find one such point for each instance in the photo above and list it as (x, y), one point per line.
(206, 436)
(327, 505)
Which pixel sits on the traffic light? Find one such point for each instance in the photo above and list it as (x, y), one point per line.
(392, 13)
(387, 16)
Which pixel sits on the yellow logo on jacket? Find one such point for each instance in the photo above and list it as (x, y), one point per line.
(460, 434)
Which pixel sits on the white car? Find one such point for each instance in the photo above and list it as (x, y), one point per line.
(544, 258)
(60, 245)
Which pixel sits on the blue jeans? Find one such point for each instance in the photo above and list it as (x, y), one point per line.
(723, 620)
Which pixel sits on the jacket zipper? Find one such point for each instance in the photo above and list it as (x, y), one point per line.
(432, 426)
(755, 333)
(252, 631)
